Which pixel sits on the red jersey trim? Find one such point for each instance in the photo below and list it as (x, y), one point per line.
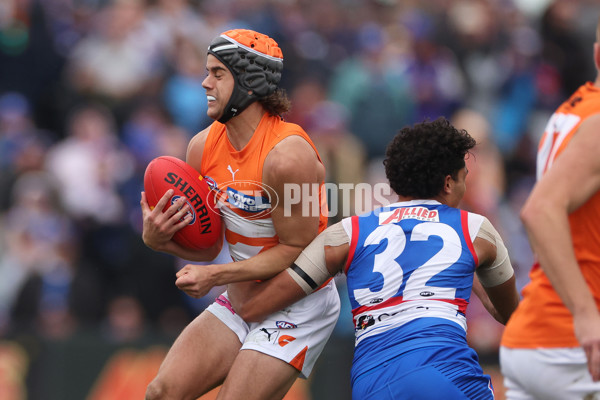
(353, 242)
(464, 219)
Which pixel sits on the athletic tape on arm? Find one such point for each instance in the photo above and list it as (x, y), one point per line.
(501, 269)
(309, 270)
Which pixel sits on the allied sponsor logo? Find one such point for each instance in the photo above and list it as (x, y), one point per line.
(285, 325)
(426, 294)
(399, 214)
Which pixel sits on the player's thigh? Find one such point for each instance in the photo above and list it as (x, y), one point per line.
(258, 376)
(199, 359)
(549, 374)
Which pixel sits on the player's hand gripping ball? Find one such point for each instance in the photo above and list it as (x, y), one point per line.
(164, 173)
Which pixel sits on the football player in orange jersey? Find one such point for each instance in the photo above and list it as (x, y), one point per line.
(551, 345)
(250, 154)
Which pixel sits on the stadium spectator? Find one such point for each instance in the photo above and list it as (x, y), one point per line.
(374, 89)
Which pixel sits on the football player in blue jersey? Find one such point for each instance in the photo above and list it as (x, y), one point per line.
(410, 270)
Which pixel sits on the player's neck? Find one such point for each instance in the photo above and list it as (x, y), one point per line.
(241, 128)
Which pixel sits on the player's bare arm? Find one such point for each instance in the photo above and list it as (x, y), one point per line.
(494, 281)
(292, 161)
(569, 183)
(319, 261)
(159, 227)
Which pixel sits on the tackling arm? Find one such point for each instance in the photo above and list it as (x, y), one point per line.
(323, 258)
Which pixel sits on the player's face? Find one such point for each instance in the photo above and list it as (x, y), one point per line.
(218, 85)
(459, 188)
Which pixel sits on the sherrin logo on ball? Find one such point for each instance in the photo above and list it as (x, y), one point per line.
(164, 173)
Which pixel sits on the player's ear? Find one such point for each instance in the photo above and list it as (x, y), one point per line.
(448, 184)
(597, 56)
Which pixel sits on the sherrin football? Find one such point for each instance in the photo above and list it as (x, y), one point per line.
(164, 173)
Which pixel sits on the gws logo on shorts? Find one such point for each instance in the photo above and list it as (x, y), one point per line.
(285, 325)
(284, 340)
(191, 210)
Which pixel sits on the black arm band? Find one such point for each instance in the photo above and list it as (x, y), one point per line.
(304, 276)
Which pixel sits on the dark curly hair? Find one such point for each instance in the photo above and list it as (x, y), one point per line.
(277, 103)
(420, 157)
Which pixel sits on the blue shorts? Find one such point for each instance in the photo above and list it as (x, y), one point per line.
(423, 375)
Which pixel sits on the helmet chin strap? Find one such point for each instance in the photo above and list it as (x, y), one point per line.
(240, 100)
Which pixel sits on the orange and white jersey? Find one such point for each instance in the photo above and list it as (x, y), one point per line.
(244, 202)
(542, 320)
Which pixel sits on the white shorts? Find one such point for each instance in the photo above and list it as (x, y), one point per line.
(547, 374)
(296, 335)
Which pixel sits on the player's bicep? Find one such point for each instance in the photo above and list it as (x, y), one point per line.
(293, 175)
(195, 149)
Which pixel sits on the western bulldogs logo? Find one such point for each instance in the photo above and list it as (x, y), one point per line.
(364, 321)
(190, 211)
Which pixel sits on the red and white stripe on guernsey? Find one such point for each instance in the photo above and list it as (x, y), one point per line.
(352, 228)
(465, 223)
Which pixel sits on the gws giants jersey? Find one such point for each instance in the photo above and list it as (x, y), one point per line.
(526, 329)
(245, 205)
(409, 275)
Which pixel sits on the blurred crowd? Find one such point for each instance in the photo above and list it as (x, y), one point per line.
(92, 90)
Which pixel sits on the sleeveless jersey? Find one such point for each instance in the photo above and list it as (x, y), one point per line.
(409, 276)
(542, 320)
(238, 175)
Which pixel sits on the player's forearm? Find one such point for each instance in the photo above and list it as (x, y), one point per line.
(262, 266)
(504, 299)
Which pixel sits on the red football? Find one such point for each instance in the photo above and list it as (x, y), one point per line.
(164, 173)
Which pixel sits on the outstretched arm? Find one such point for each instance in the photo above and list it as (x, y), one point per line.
(567, 185)
(322, 259)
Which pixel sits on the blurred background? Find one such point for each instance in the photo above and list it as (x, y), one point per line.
(92, 90)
